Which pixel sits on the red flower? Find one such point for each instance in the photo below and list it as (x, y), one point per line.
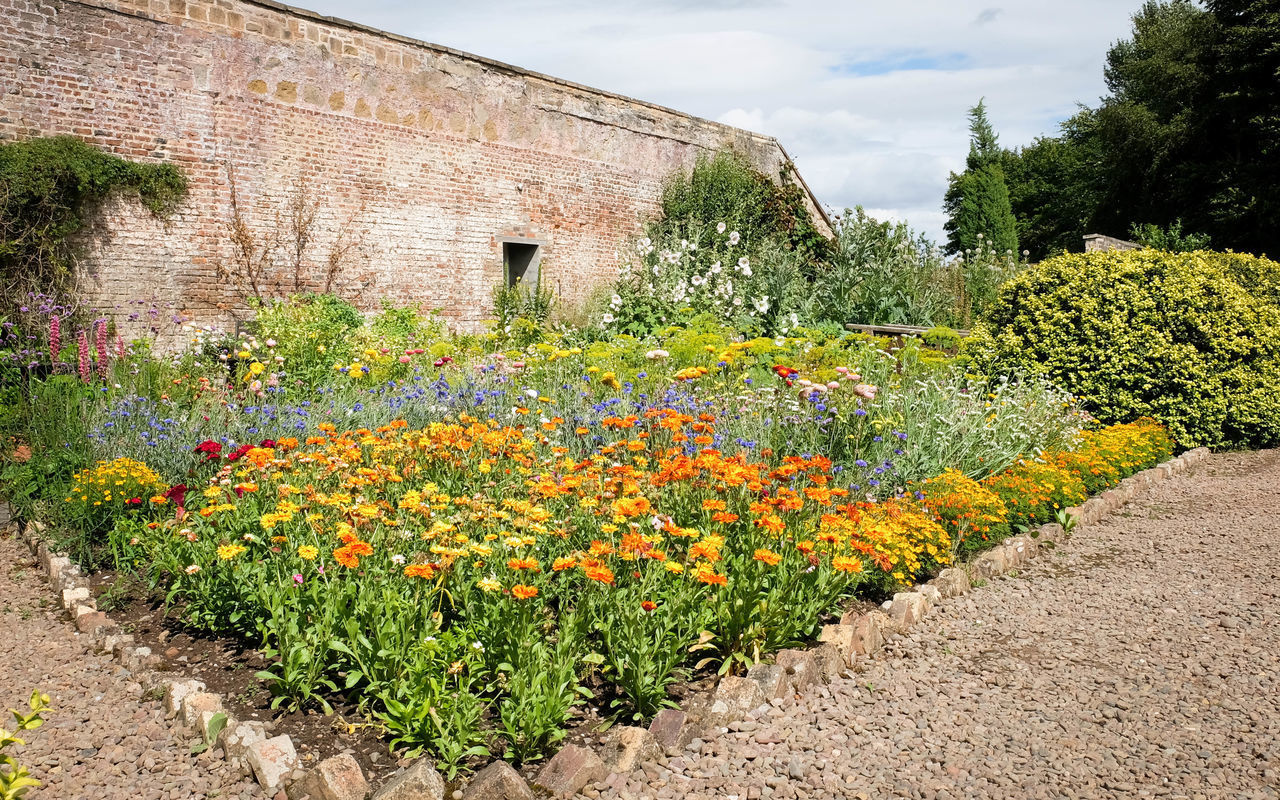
(267, 443)
(784, 372)
(177, 494)
(236, 454)
(648, 605)
(211, 450)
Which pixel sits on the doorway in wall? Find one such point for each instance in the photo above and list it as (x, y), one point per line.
(520, 263)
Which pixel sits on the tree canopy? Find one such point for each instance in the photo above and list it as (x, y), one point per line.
(1189, 131)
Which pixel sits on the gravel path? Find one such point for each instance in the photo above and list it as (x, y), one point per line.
(102, 740)
(1141, 659)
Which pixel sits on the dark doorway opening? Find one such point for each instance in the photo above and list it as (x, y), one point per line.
(520, 263)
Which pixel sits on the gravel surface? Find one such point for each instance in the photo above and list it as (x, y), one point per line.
(103, 740)
(1140, 659)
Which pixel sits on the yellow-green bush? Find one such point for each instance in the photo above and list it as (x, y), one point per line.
(1190, 339)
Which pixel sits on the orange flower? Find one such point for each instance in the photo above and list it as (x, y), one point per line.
(846, 564)
(724, 517)
(425, 571)
(523, 592)
(359, 548)
(707, 575)
(648, 605)
(767, 556)
(713, 505)
(599, 548)
(523, 563)
(345, 557)
(563, 563)
(599, 573)
(632, 506)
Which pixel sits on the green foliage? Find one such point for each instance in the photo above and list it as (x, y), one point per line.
(977, 200)
(15, 780)
(730, 242)
(309, 331)
(1170, 238)
(883, 272)
(521, 313)
(1190, 339)
(1189, 132)
(48, 187)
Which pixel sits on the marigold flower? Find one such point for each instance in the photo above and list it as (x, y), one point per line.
(767, 556)
(523, 563)
(599, 573)
(846, 564)
(226, 552)
(648, 605)
(424, 571)
(707, 575)
(308, 552)
(523, 592)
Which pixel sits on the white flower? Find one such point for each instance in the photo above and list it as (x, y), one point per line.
(615, 301)
(271, 343)
(761, 304)
(795, 319)
(698, 280)
(398, 560)
(737, 301)
(684, 244)
(531, 393)
(656, 355)
(606, 319)
(715, 268)
(734, 238)
(720, 227)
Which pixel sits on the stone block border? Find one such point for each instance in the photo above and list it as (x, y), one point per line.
(273, 762)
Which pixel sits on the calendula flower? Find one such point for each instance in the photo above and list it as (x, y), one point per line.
(226, 552)
(308, 553)
(523, 592)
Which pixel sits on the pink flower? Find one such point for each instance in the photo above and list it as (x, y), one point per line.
(404, 359)
(119, 347)
(100, 344)
(55, 336)
(82, 342)
(297, 578)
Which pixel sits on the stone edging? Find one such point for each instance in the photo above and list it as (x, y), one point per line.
(274, 763)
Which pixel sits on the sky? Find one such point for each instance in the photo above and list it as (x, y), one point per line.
(868, 96)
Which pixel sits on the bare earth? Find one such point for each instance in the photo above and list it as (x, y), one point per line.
(1141, 659)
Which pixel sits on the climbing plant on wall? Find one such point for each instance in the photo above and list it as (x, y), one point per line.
(48, 189)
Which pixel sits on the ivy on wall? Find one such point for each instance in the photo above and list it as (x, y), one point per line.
(48, 189)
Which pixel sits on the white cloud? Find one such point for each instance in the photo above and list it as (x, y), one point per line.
(870, 99)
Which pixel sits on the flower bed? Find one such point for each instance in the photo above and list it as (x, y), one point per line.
(470, 548)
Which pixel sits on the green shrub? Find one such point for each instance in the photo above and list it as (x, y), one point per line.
(1190, 339)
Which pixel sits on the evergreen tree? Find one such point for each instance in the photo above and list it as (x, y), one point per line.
(977, 200)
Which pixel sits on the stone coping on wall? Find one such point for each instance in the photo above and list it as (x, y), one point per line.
(274, 763)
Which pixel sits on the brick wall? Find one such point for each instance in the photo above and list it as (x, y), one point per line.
(430, 156)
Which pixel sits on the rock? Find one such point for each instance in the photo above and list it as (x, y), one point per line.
(1050, 532)
(92, 622)
(498, 781)
(236, 738)
(113, 643)
(908, 608)
(196, 703)
(831, 661)
(272, 761)
(772, 679)
(568, 771)
(841, 638)
(868, 633)
(177, 691)
(626, 748)
(992, 563)
(205, 725)
(1019, 550)
(1094, 510)
(801, 668)
(952, 582)
(932, 595)
(419, 782)
(73, 597)
(336, 778)
(667, 725)
(739, 695)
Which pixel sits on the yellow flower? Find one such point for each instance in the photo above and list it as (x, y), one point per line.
(489, 585)
(226, 552)
(308, 553)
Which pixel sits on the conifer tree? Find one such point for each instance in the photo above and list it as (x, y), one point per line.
(977, 200)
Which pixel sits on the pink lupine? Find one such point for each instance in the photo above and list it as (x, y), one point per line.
(55, 337)
(100, 343)
(82, 340)
(119, 347)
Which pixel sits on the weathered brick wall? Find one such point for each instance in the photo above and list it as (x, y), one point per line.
(428, 155)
